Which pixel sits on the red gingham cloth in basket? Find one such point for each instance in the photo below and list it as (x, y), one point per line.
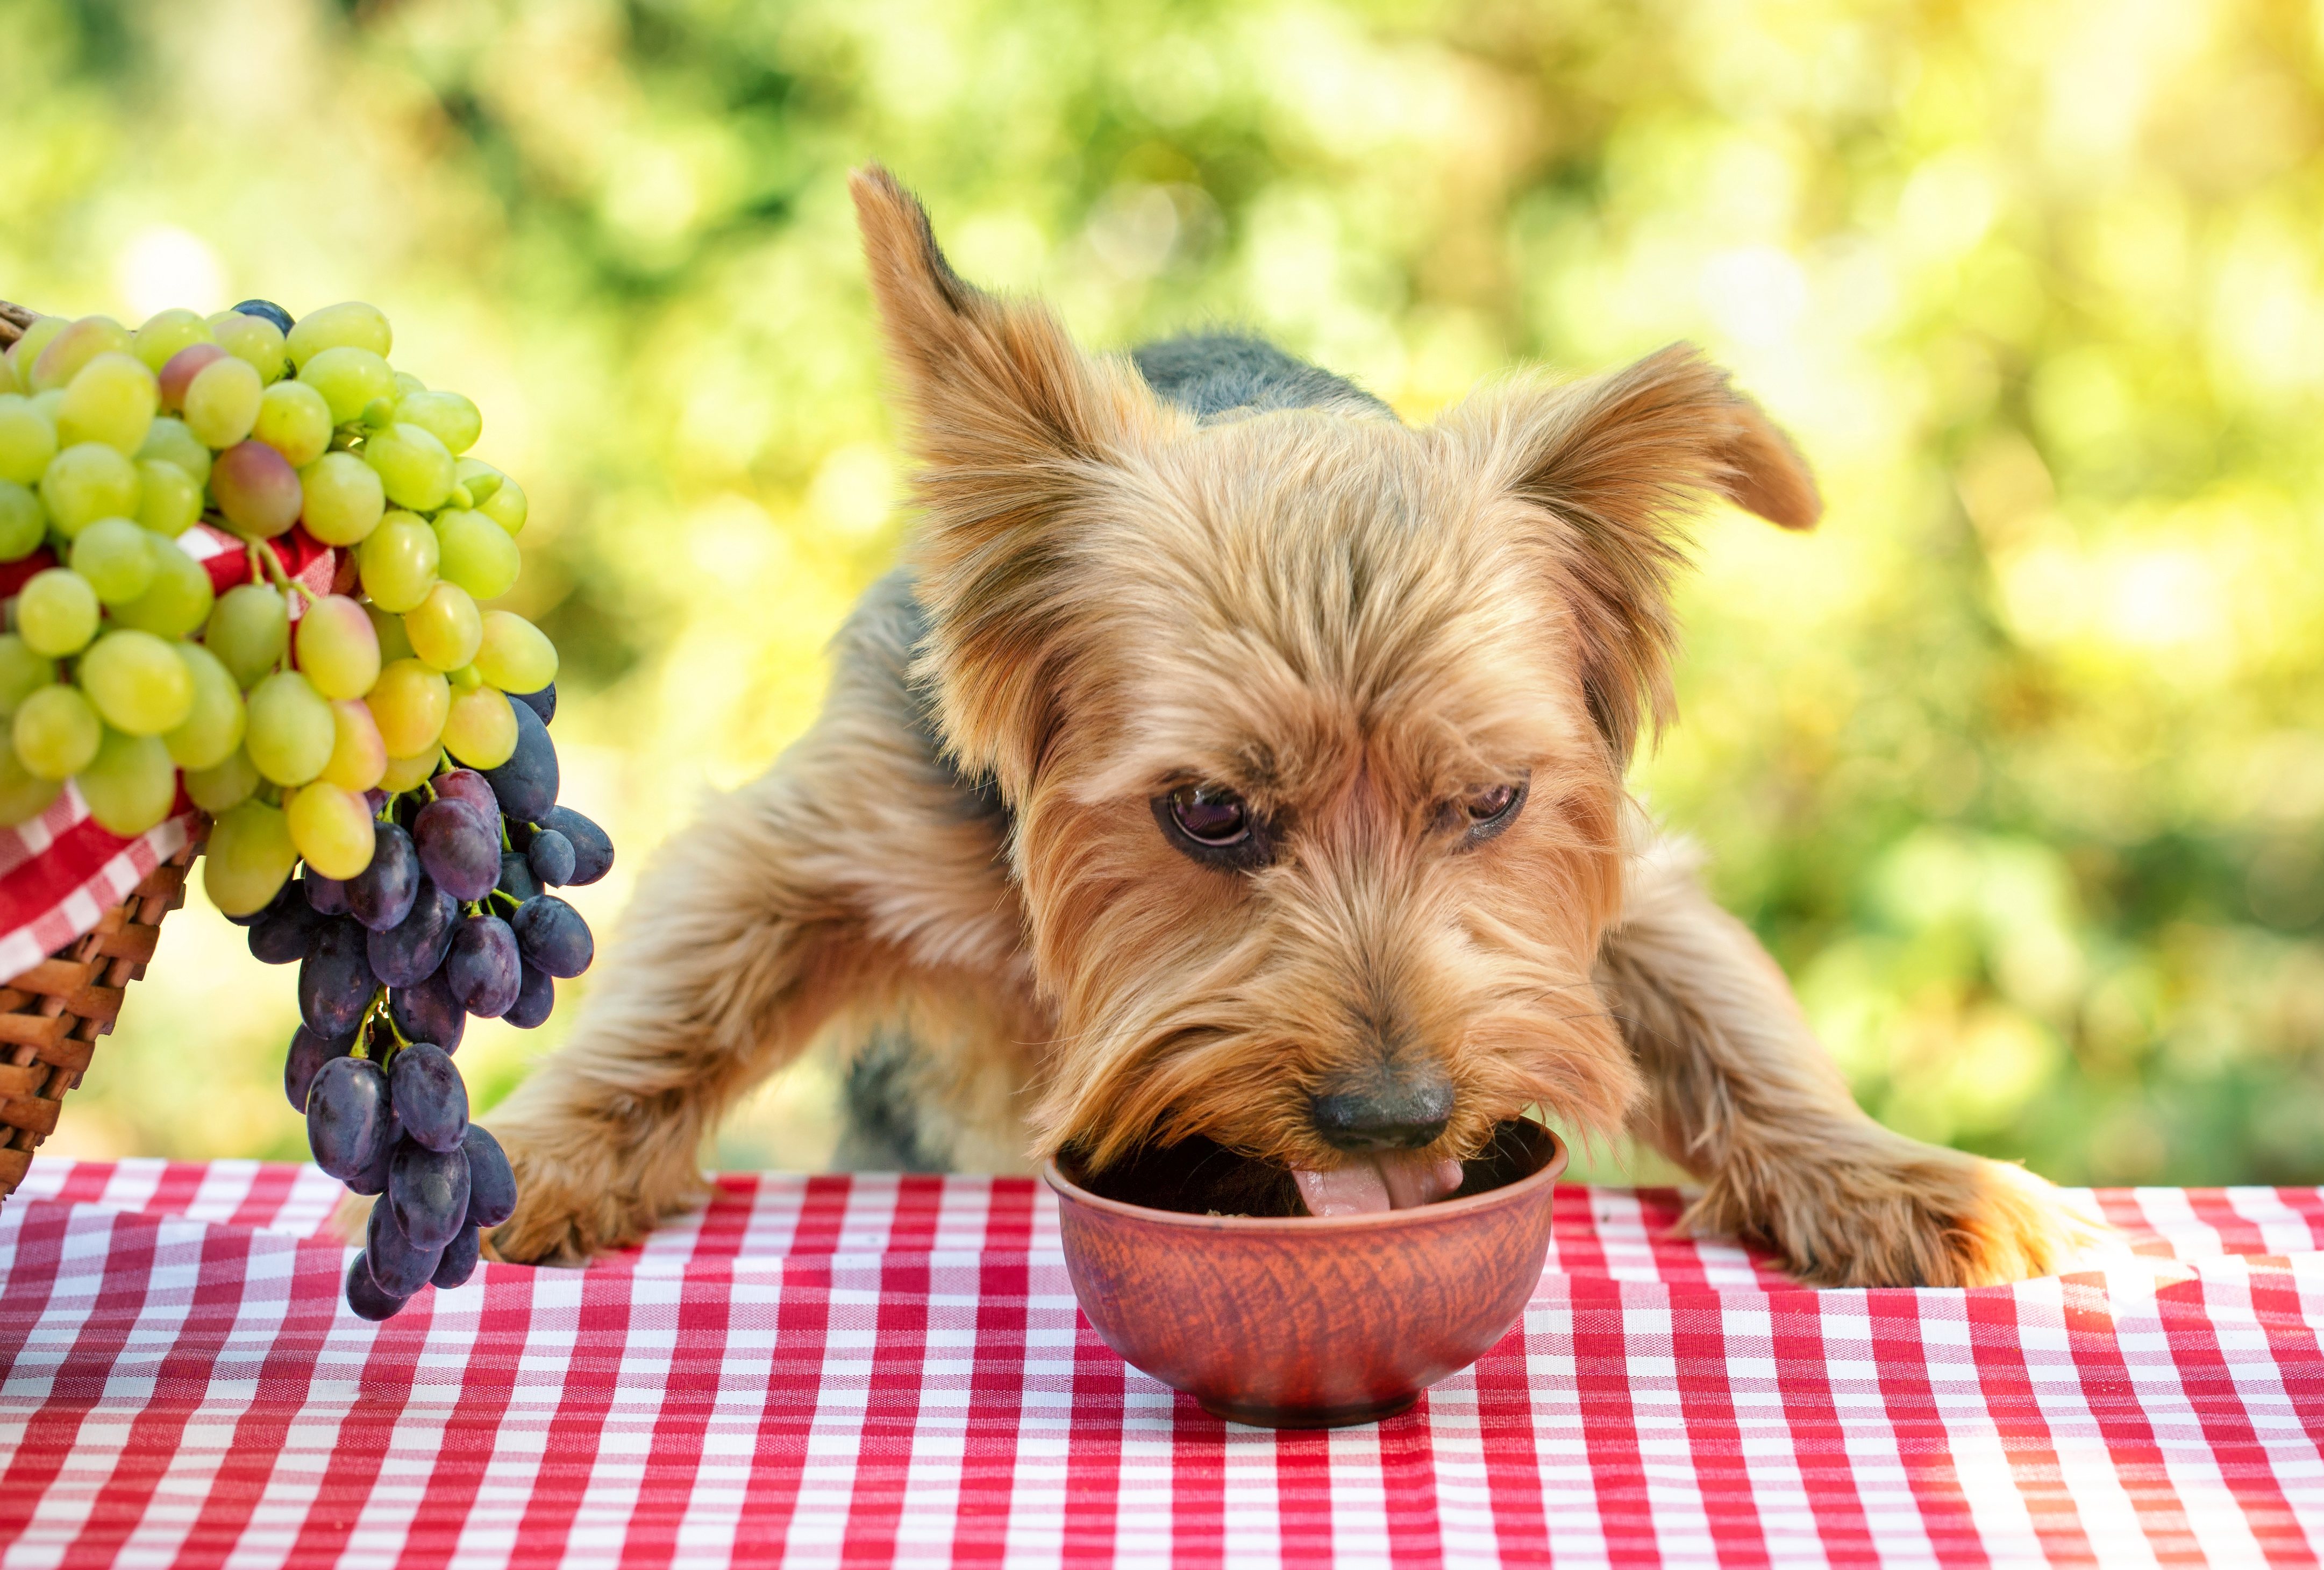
(844, 1371)
(61, 871)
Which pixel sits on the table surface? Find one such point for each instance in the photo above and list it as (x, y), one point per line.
(866, 1371)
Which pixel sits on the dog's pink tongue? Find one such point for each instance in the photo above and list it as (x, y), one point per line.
(1374, 1183)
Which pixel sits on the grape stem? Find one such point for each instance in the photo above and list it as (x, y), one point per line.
(263, 561)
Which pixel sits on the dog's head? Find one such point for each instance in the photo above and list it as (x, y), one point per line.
(1314, 724)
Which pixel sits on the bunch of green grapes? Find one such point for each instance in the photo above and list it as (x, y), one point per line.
(293, 717)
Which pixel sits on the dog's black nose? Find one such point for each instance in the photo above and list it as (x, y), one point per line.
(1402, 1113)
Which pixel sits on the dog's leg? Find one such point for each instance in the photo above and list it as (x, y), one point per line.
(1741, 1094)
(859, 859)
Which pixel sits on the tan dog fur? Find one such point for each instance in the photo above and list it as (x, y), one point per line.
(1350, 622)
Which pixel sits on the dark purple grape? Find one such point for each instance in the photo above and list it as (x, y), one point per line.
(592, 852)
(553, 937)
(380, 895)
(526, 783)
(324, 896)
(542, 703)
(429, 1012)
(408, 953)
(364, 1295)
(517, 880)
(536, 999)
(308, 1052)
(459, 1260)
(429, 1190)
(335, 983)
(466, 785)
(491, 1183)
(348, 1117)
(460, 847)
(268, 310)
(431, 1102)
(551, 858)
(372, 1179)
(284, 934)
(399, 1264)
(483, 966)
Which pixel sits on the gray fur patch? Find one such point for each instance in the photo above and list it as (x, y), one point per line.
(1210, 374)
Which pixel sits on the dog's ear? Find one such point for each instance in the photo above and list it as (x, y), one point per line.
(1616, 463)
(1011, 427)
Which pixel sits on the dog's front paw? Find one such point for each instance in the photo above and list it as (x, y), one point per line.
(576, 1199)
(1926, 1218)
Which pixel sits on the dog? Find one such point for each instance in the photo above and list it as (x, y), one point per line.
(1232, 761)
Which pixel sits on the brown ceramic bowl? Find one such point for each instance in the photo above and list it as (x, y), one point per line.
(1295, 1322)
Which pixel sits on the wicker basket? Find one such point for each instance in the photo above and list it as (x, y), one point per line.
(51, 1015)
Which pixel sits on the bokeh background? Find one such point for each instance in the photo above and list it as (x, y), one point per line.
(2018, 765)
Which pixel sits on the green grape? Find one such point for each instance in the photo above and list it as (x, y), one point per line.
(332, 828)
(294, 421)
(137, 682)
(56, 612)
(180, 599)
(222, 401)
(49, 403)
(56, 732)
(112, 554)
(358, 756)
(253, 340)
(8, 377)
(249, 857)
(23, 795)
(75, 347)
(505, 507)
(350, 324)
(289, 734)
(111, 400)
(26, 350)
(27, 439)
(406, 383)
(211, 731)
(480, 730)
(477, 554)
(393, 645)
(87, 481)
(171, 442)
(408, 704)
(22, 672)
(165, 334)
(223, 785)
(413, 465)
(445, 629)
(398, 561)
(176, 377)
(341, 498)
(256, 490)
(249, 630)
(22, 522)
(409, 773)
(451, 419)
(349, 379)
(130, 784)
(169, 499)
(464, 680)
(337, 649)
(513, 654)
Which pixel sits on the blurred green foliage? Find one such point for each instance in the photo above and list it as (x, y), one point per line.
(2018, 764)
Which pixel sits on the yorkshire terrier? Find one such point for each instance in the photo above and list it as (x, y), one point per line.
(1234, 762)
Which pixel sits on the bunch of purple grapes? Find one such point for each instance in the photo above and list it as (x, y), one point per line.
(452, 918)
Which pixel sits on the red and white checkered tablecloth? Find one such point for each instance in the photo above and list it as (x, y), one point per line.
(866, 1371)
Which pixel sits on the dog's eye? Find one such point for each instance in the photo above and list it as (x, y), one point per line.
(1214, 825)
(1211, 816)
(1486, 811)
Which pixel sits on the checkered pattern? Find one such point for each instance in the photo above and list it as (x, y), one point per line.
(59, 872)
(837, 1372)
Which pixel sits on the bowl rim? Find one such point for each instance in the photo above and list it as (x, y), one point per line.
(1444, 1209)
